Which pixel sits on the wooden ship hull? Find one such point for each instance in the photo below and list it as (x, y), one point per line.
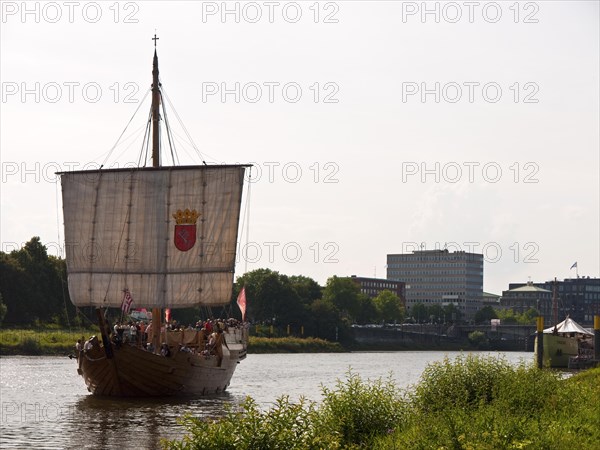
(131, 371)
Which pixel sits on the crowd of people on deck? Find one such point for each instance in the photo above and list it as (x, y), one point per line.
(140, 334)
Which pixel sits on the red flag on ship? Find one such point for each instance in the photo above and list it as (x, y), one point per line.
(127, 301)
(241, 301)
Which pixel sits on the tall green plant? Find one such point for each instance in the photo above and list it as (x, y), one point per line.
(285, 426)
(465, 381)
(359, 411)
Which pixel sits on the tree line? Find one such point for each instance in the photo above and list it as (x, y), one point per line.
(326, 312)
(33, 291)
(33, 286)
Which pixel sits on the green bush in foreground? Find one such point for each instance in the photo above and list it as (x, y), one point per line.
(359, 411)
(485, 403)
(349, 417)
(468, 403)
(285, 426)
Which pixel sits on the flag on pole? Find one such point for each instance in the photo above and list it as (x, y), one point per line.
(167, 315)
(574, 265)
(241, 301)
(127, 301)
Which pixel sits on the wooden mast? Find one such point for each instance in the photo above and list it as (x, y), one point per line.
(155, 110)
(156, 312)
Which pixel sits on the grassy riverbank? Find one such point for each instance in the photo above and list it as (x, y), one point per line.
(469, 403)
(62, 342)
(292, 345)
(40, 341)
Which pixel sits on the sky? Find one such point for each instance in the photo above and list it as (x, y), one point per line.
(374, 127)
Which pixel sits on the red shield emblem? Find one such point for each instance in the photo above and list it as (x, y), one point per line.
(185, 236)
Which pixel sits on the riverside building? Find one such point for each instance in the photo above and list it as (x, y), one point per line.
(521, 297)
(579, 298)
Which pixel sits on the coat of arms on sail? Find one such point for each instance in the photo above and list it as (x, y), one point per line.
(185, 230)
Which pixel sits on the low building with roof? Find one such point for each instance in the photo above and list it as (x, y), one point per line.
(522, 298)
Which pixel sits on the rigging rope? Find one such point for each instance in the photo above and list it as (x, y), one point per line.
(183, 126)
(126, 126)
(169, 137)
(135, 134)
(146, 142)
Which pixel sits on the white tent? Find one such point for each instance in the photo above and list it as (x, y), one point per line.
(568, 326)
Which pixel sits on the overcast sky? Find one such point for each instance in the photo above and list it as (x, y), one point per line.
(374, 127)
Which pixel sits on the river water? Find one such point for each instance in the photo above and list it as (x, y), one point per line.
(45, 403)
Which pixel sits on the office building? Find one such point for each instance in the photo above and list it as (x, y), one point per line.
(440, 277)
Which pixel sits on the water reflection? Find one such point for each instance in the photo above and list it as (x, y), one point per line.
(107, 423)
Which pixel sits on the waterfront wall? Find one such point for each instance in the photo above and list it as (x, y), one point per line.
(434, 336)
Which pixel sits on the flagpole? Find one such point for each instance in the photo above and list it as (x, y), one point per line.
(576, 268)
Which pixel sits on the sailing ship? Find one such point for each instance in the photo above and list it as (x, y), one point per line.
(564, 342)
(164, 237)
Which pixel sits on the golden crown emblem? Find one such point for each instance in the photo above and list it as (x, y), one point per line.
(186, 217)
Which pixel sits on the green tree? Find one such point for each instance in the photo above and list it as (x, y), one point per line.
(528, 317)
(485, 314)
(389, 306)
(436, 313)
(271, 297)
(344, 293)
(307, 289)
(368, 312)
(452, 313)
(420, 313)
(507, 316)
(33, 285)
(2, 309)
(324, 320)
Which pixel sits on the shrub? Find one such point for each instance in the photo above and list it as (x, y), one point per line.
(358, 411)
(463, 382)
(477, 339)
(350, 417)
(517, 408)
(285, 426)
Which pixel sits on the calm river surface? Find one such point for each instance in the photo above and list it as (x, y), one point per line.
(45, 403)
